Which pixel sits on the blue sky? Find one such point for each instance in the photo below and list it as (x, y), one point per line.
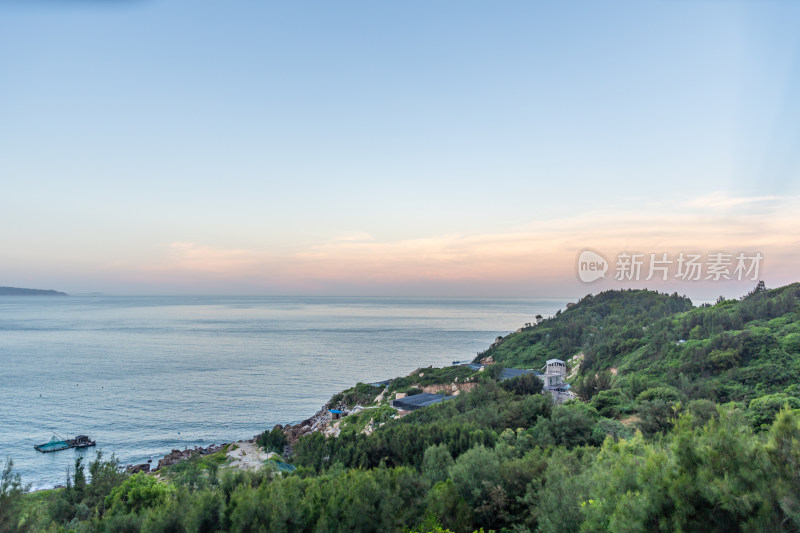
(389, 148)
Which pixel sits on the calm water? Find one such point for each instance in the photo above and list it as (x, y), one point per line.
(143, 375)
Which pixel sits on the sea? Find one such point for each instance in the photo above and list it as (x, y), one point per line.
(143, 375)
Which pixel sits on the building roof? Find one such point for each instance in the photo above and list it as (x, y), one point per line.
(555, 361)
(509, 373)
(409, 403)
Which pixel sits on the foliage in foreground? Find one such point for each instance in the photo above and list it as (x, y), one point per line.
(717, 476)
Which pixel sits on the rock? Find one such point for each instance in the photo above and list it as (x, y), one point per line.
(177, 455)
(135, 469)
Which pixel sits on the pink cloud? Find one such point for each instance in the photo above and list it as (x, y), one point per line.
(541, 253)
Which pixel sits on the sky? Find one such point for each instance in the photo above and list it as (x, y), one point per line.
(416, 148)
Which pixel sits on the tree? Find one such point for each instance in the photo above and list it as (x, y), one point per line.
(759, 288)
(609, 402)
(655, 416)
(476, 465)
(523, 385)
(666, 394)
(105, 476)
(11, 493)
(763, 410)
(140, 491)
(494, 371)
(79, 481)
(448, 507)
(715, 478)
(784, 452)
(436, 463)
(273, 441)
(569, 425)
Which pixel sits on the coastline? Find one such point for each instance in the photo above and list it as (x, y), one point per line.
(245, 365)
(322, 421)
(253, 456)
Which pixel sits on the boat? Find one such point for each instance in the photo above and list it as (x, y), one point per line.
(53, 445)
(57, 443)
(81, 441)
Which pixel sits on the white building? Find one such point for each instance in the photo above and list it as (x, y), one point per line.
(555, 366)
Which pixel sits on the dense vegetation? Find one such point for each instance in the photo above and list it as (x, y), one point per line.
(611, 322)
(702, 434)
(639, 350)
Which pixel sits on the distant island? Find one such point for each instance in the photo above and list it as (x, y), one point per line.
(16, 291)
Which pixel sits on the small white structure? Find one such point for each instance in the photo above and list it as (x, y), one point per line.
(555, 371)
(555, 366)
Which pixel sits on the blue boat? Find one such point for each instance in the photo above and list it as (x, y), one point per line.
(56, 443)
(53, 445)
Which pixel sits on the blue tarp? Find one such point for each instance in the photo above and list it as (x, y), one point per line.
(509, 373)
(53, 445)
(280, 466)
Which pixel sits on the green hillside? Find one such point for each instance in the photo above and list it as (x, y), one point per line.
(609, 323)
(638, 345)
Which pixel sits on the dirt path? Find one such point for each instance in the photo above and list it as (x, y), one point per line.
(247, 455)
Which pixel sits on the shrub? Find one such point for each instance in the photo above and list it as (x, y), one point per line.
(140, 491)
(272, 441)
(11, 491)
(523, 385)
(791, 343)
(665, 393)
(762, 411)
(610, 403)
(361, 394)
(436, 463)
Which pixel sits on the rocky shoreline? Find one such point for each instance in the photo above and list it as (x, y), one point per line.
(319, 421)
(175, 456)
